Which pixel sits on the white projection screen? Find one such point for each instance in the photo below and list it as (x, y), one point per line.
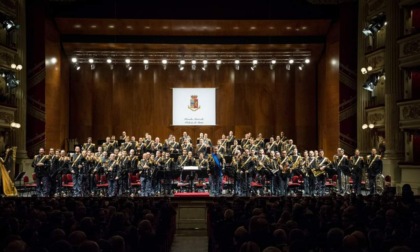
(193, 106)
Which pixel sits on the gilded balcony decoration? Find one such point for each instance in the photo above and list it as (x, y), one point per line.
(409, 114)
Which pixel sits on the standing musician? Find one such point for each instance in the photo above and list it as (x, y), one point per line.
(244, 171)
(63, 168)
(123, 181)
(148, 143)
(187, 145)
(259, 141)
(281, 140)
(262, 168)
(168, 165)
(341, 165)
(309, 178)
(201, 147)
(271, 146)
(77, 168)
(235, 147)
(245, 142)
(108, 146)
(157, 145)
(89, 145)
(127, 145)
(132, 169)
(203, 167)
(320, 172)
(123, 135)
(295, 162)
(146, 167)
(114, 143)
(140, 147)
(357, 164)
(171, 145)
(113, 173)
(54, 168)
(284, 165)
(181, 162)
(374, 168)
(290, 147)
(207, 140)
(216, 165)
(221, 147)
(184, 137)
(230, 140)
(41, 164)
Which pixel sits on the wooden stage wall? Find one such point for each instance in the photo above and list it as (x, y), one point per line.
(105, 102)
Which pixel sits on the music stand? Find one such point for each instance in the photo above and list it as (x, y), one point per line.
(228, 159)
(175, 156)
(19, 178)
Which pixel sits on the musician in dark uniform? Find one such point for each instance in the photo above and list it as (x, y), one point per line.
(112, 174)
(89, 145)
(283, 164)
(341, 166)
(181, 162)
(77, 168)
(357, 164)
(127, 145)
(41, 164)
(262, 168)
(201, 147)
(54, 157)
(230, 140)
(123, 181)
(168, 165)
(374, 168)
(203, 168)
(63, 168)
(157, 145)
(320, 173)
(235, 147)
(216, 164)
(146, 167)
(309, 178)
(108, 146)
(271, 146)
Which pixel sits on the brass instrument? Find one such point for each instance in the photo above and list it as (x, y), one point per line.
(75, 161)
(316, 171)
(260, 164)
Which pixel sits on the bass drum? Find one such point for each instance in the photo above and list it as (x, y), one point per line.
(380, 184)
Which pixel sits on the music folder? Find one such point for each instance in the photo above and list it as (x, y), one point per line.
(190, 168)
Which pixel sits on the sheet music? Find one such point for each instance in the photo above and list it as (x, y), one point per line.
(190, 168)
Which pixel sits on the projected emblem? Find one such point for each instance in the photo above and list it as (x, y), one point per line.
(194, 103)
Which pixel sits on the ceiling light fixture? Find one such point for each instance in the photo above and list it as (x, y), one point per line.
(254, 64)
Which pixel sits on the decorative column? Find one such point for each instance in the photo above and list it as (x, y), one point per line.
(393, 92)
(362, 95)
(22, 160)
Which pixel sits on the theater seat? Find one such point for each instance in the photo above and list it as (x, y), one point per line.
(294, 184)
(29, 187)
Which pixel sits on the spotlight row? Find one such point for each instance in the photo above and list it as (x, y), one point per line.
(181, 63)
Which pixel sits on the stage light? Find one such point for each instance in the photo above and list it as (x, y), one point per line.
(90, 61)
(204, 65)
(371, 125)
(129, 67)
(363, 70)
(218, 63)
(164, 62)
(288, 67)
(237, 64)
(254, 65)
(13, 66)
(127, 61)
(193, 66)
(10, 79)
(372, 81)
(92, 66)
(19, 67)
(181, 65)
(9, 25)
(53, 60)
(146, 64)
(291, 61)
(307, 60)
(15, 125)
(364, 126)
(74, 59)
(375, 25)
(109, 61)
(272, 64)
(369, 68)
(300, 67)
(77, 67)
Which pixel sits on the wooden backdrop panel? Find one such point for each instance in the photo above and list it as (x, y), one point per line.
(105, 102)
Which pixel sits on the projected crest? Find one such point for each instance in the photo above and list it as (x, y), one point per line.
(194, 103)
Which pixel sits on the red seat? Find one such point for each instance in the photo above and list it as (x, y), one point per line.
(29, 187)
(294, 184)
(330, 184)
